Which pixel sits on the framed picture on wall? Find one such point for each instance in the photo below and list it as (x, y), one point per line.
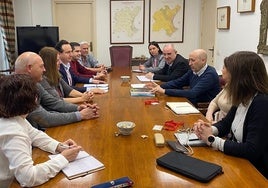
(166, 21)
(223, 17)
(245, 5)
(126, 22)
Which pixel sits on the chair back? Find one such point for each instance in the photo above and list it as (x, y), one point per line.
(121, 56)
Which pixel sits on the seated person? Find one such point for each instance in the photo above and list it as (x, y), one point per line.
(156, 62)
(17, 137)
(65, 53)
(245, 125)
(203, 81)
(88, 59)
(51, 111)
(218, 107)
(55, 85)
(80, 70)
(175, 66)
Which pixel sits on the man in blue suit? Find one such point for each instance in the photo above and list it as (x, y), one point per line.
(202, 81)
(65, 53)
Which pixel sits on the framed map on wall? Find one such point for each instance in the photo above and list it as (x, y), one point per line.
(166, 21)
(126, 22)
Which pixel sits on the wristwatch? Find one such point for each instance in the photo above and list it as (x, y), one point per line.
(211, 139)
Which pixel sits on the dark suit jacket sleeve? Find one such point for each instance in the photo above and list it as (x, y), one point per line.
(179, 67)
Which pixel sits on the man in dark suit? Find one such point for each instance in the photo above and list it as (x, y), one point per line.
(65, 53)
(175, 66)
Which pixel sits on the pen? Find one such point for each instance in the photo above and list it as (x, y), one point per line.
(64, 146)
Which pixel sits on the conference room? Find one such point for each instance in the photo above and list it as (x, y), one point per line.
(135, 155)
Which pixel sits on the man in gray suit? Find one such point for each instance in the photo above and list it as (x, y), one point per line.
(51, 111)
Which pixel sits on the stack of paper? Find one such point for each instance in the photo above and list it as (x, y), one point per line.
(182, 108)
(104, 87)
(139, 90)
(142, 78)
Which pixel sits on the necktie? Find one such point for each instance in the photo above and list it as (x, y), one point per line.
(69, 77)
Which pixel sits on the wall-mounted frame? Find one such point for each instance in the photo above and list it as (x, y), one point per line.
(245, 6)
(223, 17)
(126, 22)
(166, 21)
(263, 40)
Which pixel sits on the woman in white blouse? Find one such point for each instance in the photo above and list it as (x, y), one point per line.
(18, 95)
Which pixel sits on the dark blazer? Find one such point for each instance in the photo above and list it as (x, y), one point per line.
(75, 79)
(254, 146)
(179, 67)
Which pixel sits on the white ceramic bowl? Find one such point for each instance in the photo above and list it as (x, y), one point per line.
(125, 127)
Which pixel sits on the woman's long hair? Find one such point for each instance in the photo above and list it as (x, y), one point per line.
(248, 76)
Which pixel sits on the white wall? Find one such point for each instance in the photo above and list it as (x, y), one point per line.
(242, 35)
(39, 12)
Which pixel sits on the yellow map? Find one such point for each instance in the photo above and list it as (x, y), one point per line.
(163, 19)
(124, 20)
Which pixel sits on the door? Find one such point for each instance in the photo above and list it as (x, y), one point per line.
(75, 20)
(208, 28)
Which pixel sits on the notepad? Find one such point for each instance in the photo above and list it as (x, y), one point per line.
(182, 108)
(137, 86)
(142, 78)
(84, 164)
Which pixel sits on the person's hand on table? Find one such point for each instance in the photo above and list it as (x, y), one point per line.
(92, 111)
(155, 87)
(149, 75)
(202, 129)
(142, 67)
(87, 96)
(71, 153)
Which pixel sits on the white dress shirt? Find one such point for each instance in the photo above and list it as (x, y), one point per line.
(17, 137)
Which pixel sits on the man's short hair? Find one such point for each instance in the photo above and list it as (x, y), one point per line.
(59, 45)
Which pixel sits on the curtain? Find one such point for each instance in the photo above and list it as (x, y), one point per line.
(7, 25)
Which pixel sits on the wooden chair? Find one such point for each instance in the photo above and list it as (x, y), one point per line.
(121, 56)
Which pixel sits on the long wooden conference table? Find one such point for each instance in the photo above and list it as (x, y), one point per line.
(134, 156)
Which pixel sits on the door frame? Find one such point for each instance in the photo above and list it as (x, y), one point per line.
(94, 31)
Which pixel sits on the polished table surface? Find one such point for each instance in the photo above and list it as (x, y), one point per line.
(134, 156)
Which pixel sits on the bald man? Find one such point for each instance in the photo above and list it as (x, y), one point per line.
(51, 111)
(175, 65)
(202, 79)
